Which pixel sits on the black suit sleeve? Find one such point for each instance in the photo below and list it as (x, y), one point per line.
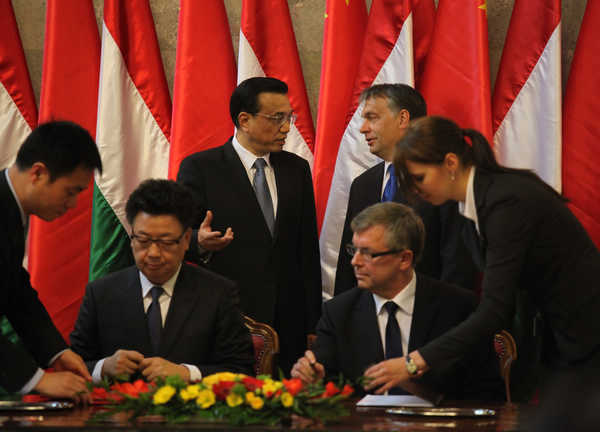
(508, 245)
(344, 274)
(30, 320)
(325, 348)
(309, 254)
(85, 337)
(233, 345)
(189, 176)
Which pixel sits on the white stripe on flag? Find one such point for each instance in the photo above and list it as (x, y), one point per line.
(13, 128)
(354, 157)
(132, 144)
(530, 134)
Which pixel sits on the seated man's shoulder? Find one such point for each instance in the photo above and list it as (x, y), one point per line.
(445, 291)
(203, 156)
(114, 280)
(345, 301)
(213, 282)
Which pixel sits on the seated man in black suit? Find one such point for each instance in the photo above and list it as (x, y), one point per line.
(161, 317)
(387, 111)
(53, 166)
(394, 310)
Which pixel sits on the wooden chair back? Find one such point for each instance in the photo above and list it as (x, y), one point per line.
(266, 346)
(506, 351)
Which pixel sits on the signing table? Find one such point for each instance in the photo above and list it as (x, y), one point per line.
(507, 418)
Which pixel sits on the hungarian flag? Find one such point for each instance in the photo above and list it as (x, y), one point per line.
(18, 113)
(59, 250)
(343, 36)
(387, 57)
(134, 120)
(200, 102)
(456, 81)
(527, 97)
(268, 48)
(581, 131)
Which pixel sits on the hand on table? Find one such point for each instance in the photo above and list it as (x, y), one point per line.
(307, 368)
(155, 367)
(64, 385)
(122, 362)
(71, 362)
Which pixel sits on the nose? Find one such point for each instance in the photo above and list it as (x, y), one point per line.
(355, 260)
(364, 128)
(286, 126)
(153, 250)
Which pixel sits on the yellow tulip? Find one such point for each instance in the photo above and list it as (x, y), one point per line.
(163, 395)
(234, 400)
(205, 399)
(287, 400)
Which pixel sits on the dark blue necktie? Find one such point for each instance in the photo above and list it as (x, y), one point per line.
(155, 318)
(391, 186)
(393, 340)
(262, 193)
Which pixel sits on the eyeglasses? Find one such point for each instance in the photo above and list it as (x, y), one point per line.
(144, 242)
(280, 118)
(368, 255)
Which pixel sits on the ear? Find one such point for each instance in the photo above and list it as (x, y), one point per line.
(38, 172)
(403, 118)
(451, 162)
(407, 259)
(243, 119)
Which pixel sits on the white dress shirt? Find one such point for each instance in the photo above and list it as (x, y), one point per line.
(467, 208)
(164, 301)
(248, 158)
(405, 300)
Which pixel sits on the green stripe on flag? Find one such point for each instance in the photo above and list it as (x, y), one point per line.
(110, 249)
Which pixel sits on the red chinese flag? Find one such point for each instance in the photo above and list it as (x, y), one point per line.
(456, 81)
(581, 131)
(205, 77)
(59, 250)
(345, 24)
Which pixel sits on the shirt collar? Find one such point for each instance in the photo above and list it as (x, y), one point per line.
(168, 286)
(467, 208)
(246, 156)
(405, 299)
(10, 186)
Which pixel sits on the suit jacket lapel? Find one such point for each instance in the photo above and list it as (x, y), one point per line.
(132, 307)
(182, 304)
(241, 183)
(363, 333)
(424, 312)
(283, 189)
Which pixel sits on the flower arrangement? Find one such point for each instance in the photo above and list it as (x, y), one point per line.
(236, 398)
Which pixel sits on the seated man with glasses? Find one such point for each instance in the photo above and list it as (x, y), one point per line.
(394, 311)
(161, 317)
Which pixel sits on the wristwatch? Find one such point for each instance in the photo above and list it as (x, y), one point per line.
(411, 366)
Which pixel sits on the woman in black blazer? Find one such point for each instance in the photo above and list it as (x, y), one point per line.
(529, 241)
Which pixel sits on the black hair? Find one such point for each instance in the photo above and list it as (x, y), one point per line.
(245, 96)
(62, 146)
(399, 97)
(429, 139)
(161, 197)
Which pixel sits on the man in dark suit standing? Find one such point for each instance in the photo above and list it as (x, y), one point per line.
(55, 163)
(387, 111)
(251, 189)
(161, 317)
(394, 310)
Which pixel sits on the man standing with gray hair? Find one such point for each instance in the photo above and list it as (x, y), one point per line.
(387, 112)
(394, 310)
